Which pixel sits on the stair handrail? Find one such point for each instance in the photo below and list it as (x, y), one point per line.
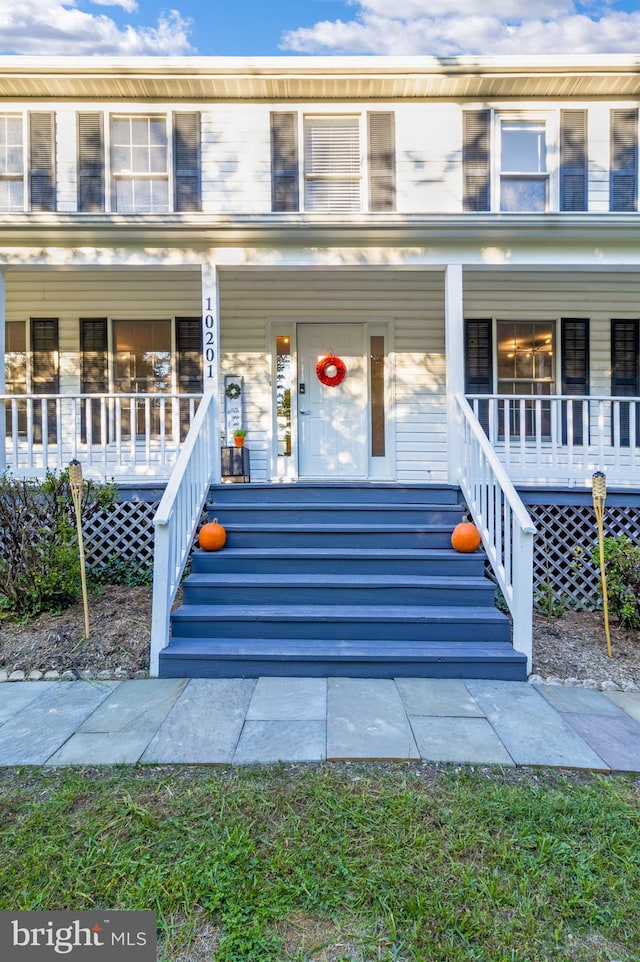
(177, 518)
(505, 526)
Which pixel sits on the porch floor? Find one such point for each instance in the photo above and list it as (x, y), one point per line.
(265, 720)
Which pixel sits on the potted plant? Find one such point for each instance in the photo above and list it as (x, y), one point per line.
(238, 437)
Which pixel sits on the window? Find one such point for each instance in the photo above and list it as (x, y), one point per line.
(332, 166)
(506, 166)
(139, 164)
(38, 175)
(11, 163)
(523, 165)
(347, 163)
(525, 354)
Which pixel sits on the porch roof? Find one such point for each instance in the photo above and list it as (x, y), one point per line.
(328, 78)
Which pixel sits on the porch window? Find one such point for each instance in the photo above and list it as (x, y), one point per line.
(142, 361)
(525, 355)
(523, 165)
(139, 164)
(15, 368)
(11, 163)
(376, 374)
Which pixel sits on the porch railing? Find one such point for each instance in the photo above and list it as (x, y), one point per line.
(115, 435)
(503, 521)
(563, 438)
(177, 518)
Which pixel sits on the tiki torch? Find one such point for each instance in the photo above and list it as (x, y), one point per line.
(75, 483)
(599, 488)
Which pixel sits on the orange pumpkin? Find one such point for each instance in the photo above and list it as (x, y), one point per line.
(212, 536)
(465, 537)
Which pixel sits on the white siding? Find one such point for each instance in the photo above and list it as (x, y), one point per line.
(412, 303)
(66, 160)
(236, 159)
(429, 158)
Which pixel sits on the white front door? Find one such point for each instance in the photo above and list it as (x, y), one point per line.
(333, 420)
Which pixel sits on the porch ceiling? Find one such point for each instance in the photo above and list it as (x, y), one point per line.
(317, 78)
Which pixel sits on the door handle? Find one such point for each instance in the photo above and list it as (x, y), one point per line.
(304, 412)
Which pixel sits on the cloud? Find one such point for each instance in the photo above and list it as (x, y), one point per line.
(129, 5)
(59, 28)
(457, 27)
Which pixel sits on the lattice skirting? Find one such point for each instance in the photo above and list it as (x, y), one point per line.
(562, 551)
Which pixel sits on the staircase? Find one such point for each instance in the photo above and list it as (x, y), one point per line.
(328, 580)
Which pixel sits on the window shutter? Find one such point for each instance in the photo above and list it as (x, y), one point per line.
(625, 372)
(476, 160)
(90, 162)
(93, 345)
(45, 372)
(478, 363)
(284, 162)
(574, 377)
(42, 160)
(573, 160)
(189, 354)
(382, 161)
(186, 160)
(623, 182)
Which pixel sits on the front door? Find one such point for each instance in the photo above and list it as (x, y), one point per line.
(333, 427)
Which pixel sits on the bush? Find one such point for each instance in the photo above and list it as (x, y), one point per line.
(622, 566)
(39, 563)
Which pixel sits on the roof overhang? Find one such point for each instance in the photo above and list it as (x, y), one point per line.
(196, 79)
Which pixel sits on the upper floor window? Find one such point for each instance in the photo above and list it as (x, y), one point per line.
(523, 167)
(11, 163)
(509, 161)
(27, 178)
(346, 164)
(152, 162)
(140, 164)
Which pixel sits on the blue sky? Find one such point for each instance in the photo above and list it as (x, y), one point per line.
(322, 27)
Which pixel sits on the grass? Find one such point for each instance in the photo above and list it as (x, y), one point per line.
(335, 863)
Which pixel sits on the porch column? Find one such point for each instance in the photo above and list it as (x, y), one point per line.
(3, 385)
(211, 345)
(454, 354)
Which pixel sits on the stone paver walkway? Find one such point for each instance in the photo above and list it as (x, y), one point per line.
(244, 721)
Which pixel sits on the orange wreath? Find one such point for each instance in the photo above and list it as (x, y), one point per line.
(323, 366)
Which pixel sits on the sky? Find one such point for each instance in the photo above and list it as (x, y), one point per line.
(270, 28)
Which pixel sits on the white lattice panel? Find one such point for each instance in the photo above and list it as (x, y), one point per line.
(126, 531)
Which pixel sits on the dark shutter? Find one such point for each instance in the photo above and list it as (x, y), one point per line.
(90, 162)
(476, 160)
(623, 183)
(382, 161)
(573, 160)
(625, 373)
(188, 363)
(284, 162)
(44, 371)
(42, 182)
(478, 364)
(186, 161)
(93, 369)
(574, 377)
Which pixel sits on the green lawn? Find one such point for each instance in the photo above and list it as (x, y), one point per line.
(335, 863)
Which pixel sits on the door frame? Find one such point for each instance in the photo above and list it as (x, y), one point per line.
(378, 468)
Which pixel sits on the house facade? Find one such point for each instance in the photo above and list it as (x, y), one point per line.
(356, 258)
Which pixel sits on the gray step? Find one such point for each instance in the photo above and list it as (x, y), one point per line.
(441, 561)
(357, 493)
(381, 623)
(282, 513)
(253, 657)
(338, 535)
(343, 589)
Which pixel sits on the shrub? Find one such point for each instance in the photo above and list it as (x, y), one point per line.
(622, 566)
(39, 563)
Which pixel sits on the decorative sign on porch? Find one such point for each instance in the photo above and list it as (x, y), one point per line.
(233, 391)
